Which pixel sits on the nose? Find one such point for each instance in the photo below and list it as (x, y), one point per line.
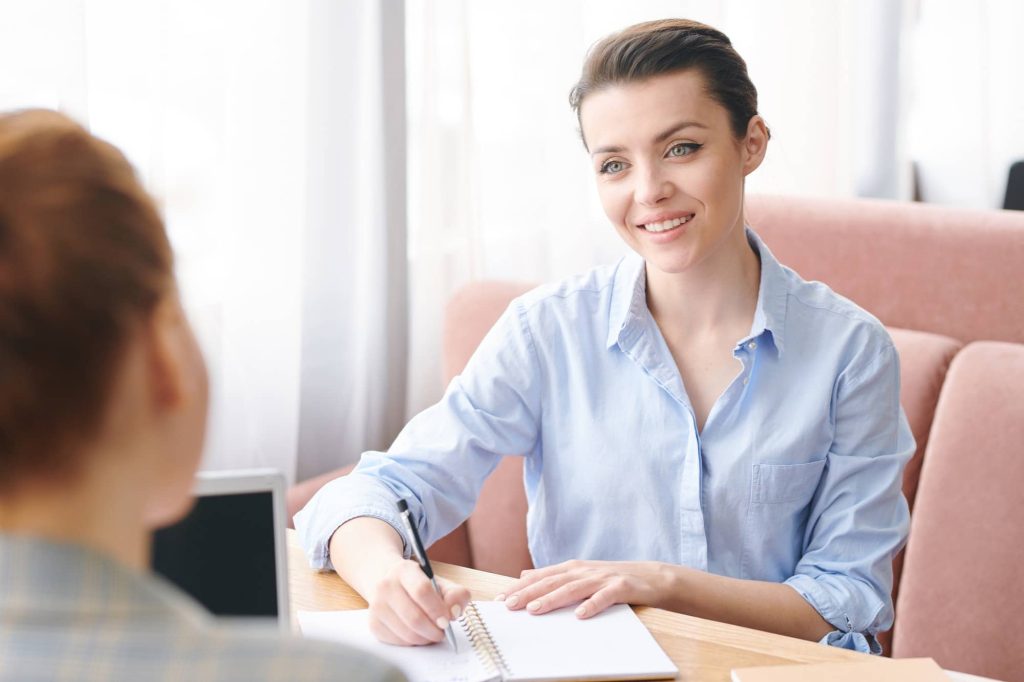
(653, 186)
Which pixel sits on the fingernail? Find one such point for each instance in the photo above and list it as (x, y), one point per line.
(581, 610)
(442, 622)
(533, 606)
(512, 601)
(456, 611)
(500, 597)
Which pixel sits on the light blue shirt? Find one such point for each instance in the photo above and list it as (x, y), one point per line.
(795, 478)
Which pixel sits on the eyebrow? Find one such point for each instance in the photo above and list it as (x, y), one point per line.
(661, 137)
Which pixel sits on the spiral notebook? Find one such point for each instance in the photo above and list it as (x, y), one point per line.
(513, 646)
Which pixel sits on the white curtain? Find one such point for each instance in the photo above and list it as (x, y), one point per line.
(272, 134)
(354, 327)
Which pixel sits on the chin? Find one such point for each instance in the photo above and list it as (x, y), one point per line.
(669, 265)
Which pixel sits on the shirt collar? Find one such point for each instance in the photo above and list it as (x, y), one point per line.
(629, 298)
(770, 313)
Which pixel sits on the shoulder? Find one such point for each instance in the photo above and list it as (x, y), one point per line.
(584, 291)
(816, 312)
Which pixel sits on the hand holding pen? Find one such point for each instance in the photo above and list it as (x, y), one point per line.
(404, 608)
(424, 562)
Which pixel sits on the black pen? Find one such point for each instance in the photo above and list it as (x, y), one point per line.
(421, 556)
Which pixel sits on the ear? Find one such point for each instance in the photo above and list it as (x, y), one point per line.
(171, 356)
(754, 144)
(177, 391)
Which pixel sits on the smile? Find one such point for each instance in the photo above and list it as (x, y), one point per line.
(666, 225)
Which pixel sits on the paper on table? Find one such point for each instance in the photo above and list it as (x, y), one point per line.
(432, 663)
(613, 645)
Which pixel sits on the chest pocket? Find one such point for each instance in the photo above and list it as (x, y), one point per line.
(780, 498)
(785, 483)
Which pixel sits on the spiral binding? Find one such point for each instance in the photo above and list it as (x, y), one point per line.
(483, 643)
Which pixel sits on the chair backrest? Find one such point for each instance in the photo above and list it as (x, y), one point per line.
(924, 361)
(961, 592)
(950, 271)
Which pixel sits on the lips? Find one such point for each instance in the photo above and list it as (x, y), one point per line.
(665, 223)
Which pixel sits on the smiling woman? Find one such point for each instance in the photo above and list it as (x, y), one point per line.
(703, 430)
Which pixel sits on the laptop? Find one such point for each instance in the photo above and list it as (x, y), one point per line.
(229, 552)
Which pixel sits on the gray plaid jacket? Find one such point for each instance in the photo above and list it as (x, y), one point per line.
(67, 613)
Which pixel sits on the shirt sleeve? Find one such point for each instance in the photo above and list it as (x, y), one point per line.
(441, 458)
(859, 518)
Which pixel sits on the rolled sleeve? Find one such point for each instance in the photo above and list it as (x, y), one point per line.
(822, 593)
(859, 518)
(439, 461)
(342, 500)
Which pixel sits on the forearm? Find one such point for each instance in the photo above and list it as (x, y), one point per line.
(772, 607)
(362, 550)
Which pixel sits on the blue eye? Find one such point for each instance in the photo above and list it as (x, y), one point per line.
(683, 149)
(612, 167)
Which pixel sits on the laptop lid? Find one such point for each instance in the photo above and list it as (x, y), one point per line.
(229, 552)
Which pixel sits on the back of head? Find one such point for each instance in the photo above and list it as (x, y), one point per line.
(83, 257)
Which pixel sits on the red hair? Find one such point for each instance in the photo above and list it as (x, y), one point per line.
(83, 257)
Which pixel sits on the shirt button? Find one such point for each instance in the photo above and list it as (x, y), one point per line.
(746, 380)
(752, 345)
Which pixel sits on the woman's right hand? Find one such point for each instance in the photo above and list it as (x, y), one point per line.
(406, 610)
(404, 607)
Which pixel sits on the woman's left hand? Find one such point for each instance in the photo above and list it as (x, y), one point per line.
(597, 584)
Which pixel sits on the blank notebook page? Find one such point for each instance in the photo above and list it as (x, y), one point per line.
(613, 645)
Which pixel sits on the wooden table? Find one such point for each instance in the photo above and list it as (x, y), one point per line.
(702, 649)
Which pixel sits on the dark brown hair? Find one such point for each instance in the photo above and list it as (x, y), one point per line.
(654, 48)
(83, 257)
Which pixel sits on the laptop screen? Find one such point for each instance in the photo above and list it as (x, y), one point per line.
(223, 554)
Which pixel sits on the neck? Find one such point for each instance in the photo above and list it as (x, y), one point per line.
(95, 511)
(717, 295)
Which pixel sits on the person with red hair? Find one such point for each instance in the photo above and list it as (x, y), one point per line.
(103, 402)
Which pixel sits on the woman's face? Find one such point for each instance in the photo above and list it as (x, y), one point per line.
(669, 169)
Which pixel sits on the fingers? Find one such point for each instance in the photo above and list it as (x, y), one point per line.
(456, 597)
(593, 585)
(598, 602)
(513, 596)
(530, 596)
(571, 592)
(407, 610)
(388, 626)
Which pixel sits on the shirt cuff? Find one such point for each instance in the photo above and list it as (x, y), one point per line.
(852, 620)
(342, 500)
(855, 641)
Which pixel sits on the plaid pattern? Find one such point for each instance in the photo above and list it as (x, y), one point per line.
(67, 613)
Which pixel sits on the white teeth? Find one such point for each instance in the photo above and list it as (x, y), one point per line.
(666, 224)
